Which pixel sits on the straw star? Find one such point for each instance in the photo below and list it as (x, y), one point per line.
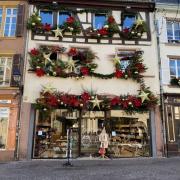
(48, 88)
(71, 64)
(116, 60)
(144, 96)
(139, 22)
(96, 102)
(58, 32)
(47, 58)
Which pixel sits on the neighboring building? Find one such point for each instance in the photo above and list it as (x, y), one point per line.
(12, 46)
(168, 19)
(111, 34)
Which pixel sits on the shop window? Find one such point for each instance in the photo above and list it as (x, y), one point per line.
(4, 116)
(62, 17)
(174, 65)
(177, 112)
(173, 31)
(5, 70)
(99, 21)
(128, 20)
(46, 17)
(10, 22)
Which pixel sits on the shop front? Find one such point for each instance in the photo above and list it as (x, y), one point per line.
(119, 133)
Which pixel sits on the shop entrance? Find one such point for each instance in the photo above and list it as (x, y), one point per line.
(125, 135)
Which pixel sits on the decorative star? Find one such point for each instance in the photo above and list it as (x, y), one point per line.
(71, 64)
(58, 32)
(139, 22)
(48, 88)
(96, 102)
(47, 58)
(144, 96)
(116, 60)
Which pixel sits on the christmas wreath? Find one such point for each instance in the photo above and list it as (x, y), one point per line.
(51, 99)
(80, 64)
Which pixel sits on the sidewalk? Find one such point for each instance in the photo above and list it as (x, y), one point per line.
(120, 169)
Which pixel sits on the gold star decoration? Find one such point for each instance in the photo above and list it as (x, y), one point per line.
(71, 64)
(116, 60)
(48, 88)
(96, 102)
(144, 96)
(47, 58)
(58, 32)
(139, 22)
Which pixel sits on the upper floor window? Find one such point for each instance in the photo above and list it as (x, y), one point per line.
(46, 17)
(10, 22)
(174, 65)
(128, 20)
(173, 30)
(99, 21)
(1, 11)
(62, 17)
(5, 70)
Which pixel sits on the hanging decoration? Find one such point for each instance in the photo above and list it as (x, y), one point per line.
(81, 63)
(58, 32)
(130, 103)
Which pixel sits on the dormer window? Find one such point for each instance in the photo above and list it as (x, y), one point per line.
(46, 17)
(99, 21)
(128, 20)
(62, 17)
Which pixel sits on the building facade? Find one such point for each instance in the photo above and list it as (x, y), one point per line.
(12, 43)
(168, 24)
(92, 69)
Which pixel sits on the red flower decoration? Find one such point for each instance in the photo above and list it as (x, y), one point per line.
(47, 27)
(140, 67)
(85, 96)
(74, 101)
(103, 31)
(84, 71)
(72, 52)
(34, 52)
(126, 30)
(119, 73)
(52, 100)
(70, 20)
(137, 102)
(40, 72)
(115, 101)
(111, 19)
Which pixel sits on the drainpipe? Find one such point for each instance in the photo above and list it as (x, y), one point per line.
(162, 109)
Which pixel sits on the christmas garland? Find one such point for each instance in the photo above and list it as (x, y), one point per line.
(80, 64)
(51, 99)
(175, 82)
(72, 25)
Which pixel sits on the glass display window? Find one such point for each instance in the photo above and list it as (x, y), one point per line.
(4, 120)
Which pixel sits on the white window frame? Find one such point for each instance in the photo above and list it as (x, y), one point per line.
(2, 149)
(5, 67)
(173, 36)
(10, 24)
(176, 60)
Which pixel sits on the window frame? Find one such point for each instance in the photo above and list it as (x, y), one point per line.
(173, 30)
(5, 67)
(58, 13)
(10, 24)
(124, 14)
(2, 149)
(47, 11)
(176, 68)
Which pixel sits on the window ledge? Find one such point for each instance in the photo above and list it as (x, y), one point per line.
(173, 43)
(8, 88)
(173, 86)
(8, 38)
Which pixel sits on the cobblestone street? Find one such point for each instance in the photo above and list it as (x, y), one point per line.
(122, 169)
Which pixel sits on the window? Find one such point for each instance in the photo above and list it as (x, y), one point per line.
(128, 20)
(99, 21)
(174, 65)
(4, 116)
(177, 112)
(173, 30)
(62, 17)
(1, 11)
(10, 22)
(46, 17)
(5, 71)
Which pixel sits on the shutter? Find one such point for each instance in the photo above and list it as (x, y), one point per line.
(17, 70)
(20, 20)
